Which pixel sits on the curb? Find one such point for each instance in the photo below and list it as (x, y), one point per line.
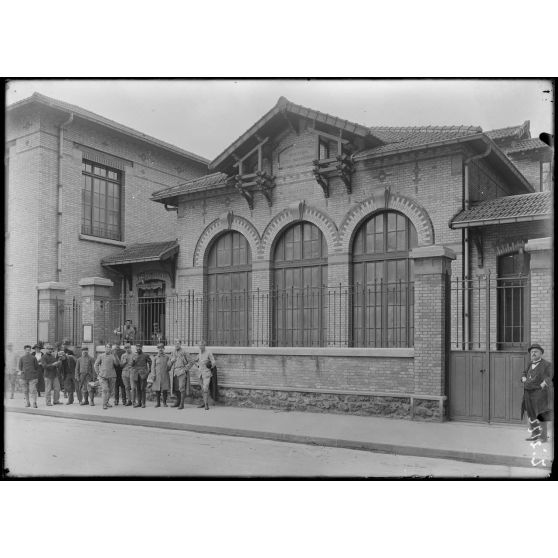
(377, 447)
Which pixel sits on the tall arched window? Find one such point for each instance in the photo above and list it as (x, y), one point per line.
(513, 301)
(299, 280)
(382, 276)
(228, 274)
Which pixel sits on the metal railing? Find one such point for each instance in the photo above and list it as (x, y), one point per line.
(71, 323)
(374, 315)
(490, 312)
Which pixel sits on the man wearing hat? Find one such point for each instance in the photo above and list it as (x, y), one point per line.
(141, 363)
(36, 352)
(85, 373)
(160, 373)
(180, 364)
(119, 386)
(537, 381)
(51, 366)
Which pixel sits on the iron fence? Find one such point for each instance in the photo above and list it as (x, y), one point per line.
(71, 322)
(490, 312)
(379, 314)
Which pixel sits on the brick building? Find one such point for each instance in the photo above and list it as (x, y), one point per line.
(77, 190)
(334, 266)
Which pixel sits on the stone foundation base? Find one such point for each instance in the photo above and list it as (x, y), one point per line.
(363, 405)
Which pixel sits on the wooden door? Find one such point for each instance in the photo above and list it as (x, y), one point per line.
(506, 389)
(468, 386)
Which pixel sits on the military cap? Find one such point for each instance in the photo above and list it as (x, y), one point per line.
(160, 345)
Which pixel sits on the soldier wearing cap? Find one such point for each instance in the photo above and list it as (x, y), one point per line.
(51, 366)
(141, 364)
(85, 373)
(119, 386)
(537, 381)
(160, 374)
(105, 367)
(180, 364)
(126, 364)
(29, 369)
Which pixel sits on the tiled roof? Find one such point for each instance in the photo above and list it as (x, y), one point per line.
(526, 145)
(403, 137)
(524, 207)
(151, 251)
(92, 117)
(509, 131)
(196, 185)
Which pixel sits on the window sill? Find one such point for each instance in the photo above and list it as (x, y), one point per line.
(102, 240)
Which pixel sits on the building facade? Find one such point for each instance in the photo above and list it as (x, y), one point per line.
(337, 267)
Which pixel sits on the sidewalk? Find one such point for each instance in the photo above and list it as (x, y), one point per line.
(478, 443)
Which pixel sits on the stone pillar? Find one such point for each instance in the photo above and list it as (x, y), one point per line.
(95, 291)
(542, 293)
(432, 298)
(51, 297)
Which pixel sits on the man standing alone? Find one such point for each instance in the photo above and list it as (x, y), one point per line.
(29, 368)
(105, 367)
(537, 381)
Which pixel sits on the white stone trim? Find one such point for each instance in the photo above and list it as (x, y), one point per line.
(102, 240)
(97, 281)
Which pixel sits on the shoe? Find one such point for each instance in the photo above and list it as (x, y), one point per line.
(69, 402)
(58, 403)
(143, 406)
(11, 396)
(128, 404)
(105, 407)
(116, 403)
(83, 403)
(157, 405)
(34, 405)
(201, 406)
(532, 438)
(109, 405)
(165, 405)
(207, 407)
(92, 404)
(27, 404)
(136, 405)
(49, 404)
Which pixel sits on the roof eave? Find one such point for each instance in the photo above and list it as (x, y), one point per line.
(162, 256)
(498, 221)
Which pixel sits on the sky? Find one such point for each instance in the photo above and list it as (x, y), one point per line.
(205, 116)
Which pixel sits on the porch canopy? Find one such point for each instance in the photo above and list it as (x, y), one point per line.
(510, 209)
(165, 253)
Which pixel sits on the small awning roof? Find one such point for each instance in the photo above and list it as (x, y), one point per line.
(510, 209)
(139, 253)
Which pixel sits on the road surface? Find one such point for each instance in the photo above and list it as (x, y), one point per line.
(37, 445)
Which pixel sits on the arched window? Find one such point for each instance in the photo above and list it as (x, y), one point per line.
(513, 300)
(228, 275)
(299, 280)
(382, 277)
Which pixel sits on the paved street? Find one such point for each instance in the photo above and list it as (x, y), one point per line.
(41, 445)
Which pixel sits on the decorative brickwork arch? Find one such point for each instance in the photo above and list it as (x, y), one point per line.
(226, 222)
(299, 211)
(385, 201)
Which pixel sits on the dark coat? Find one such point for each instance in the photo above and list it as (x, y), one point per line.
(69, 367)
(537, 400)
(51, 366)
(29, 367)
(160, 371)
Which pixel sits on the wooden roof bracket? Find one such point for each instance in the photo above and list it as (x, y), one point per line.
(169, 265)
(247, 194)
(265, 185)
(346, 168)
(321, 178)
(477, 238)
(289, 121)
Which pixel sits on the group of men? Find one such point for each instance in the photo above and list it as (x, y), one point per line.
(119, 372)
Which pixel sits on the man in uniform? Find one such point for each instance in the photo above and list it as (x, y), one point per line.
(141, 363)
(180, 364)
(537, 381)
(126, 365)
(29, 368)
(85, 373)
(119, 387)
(160, 373)
(51, 366)
(105, 367)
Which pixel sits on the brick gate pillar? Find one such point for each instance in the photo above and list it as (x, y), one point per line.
(50, 311)
(542, 294)
(95, 291)
(431, 312)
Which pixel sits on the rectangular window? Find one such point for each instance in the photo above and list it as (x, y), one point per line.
(546, 176)
(101, 201)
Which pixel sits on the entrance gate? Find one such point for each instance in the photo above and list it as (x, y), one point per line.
(488, 350)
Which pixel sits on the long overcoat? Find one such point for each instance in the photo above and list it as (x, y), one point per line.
(537, 400)
(160, 370)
